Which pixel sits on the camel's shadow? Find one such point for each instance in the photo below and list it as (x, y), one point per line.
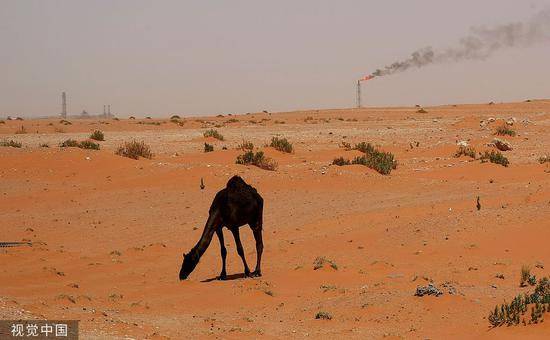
(228, 278)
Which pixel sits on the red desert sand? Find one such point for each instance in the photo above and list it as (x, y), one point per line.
(343, 243)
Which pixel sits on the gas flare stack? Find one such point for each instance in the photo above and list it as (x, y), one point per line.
(358, 99)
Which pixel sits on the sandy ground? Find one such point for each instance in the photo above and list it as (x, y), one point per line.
(108, 232)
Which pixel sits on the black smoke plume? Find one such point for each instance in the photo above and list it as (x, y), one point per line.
(481, 43)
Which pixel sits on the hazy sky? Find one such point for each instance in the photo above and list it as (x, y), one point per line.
(209, 57)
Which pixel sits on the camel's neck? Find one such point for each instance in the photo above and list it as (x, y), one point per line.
(209, 229)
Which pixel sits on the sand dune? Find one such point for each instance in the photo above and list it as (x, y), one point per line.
(108, 232)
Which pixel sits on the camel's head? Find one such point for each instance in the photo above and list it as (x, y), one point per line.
(188, 265)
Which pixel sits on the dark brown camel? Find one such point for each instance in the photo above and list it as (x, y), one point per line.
(236, 205)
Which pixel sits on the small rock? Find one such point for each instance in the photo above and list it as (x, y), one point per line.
(430, 289)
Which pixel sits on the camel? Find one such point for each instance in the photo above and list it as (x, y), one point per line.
(234, 206)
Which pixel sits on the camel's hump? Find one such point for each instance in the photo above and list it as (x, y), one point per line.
(236, 182)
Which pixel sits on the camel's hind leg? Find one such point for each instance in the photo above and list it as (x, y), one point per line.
(240, 249)
(223, 274)
(257, 230)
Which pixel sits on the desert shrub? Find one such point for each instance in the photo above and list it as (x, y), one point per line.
(281, 144)
(2, 121)
(280, 122)
(345, 145)
(383, 162)
(175, 117)
(323, 316)
(116, 119)
(21, 130)
(134, 150)
(258, 159)
(44, 145)
(97, 135)
(340, 161)
(131, 117)
(365, 147)
(148, 117)
(526, 277)
(465, 151)
(544, 159)
(88, 144)
(232, 120)
(320, 262)
(18, 118)
(208, 147)
(513, 313)
(494, 157)
(504, 130)
(421, 110)
(69, 143)
(246, 145)
(213, 133)
(65, 122)
(11, 143)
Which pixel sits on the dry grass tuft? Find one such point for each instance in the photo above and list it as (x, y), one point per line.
(134, 150)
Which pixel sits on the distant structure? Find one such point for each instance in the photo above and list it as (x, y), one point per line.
(107, 111)
(84, 114)
(63, 105)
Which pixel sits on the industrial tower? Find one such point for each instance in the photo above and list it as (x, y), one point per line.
(63, 105)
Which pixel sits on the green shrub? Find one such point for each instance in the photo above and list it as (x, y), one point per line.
(208, 147)
(88, 144)
(365, 147)
(513, 313)
(340, 161)
(97, 135)
(465, 151)
(134, 150)
(213, 133)
(258, 159)
(495, 157)
(281, 144)
(11, 143)
(526, 277)
(383, 162)
(69, 143)
(246, 145)
(504, 130)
